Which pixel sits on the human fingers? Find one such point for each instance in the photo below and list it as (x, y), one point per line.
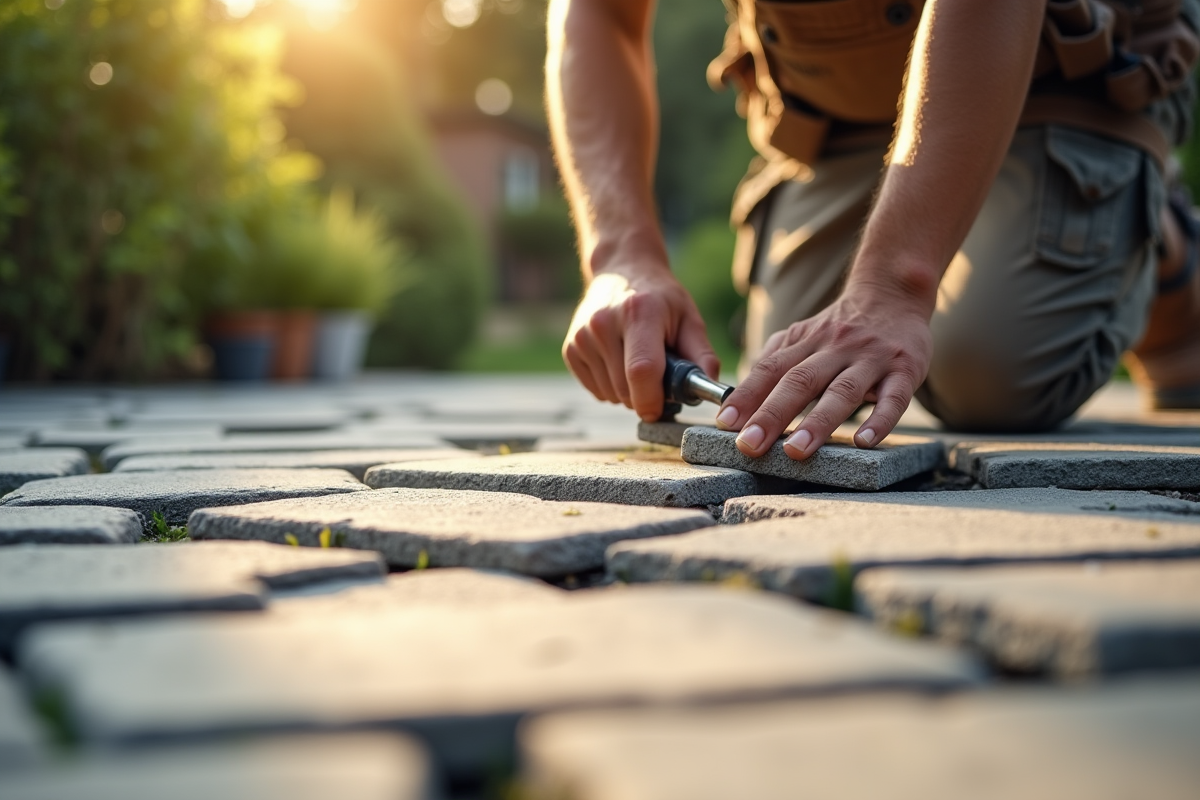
(645, 361)
(692, 343)
(838, 402)
(575, 362)
(796, 388)
(588, 353)
(611, 350)
(895, 393)
(773, 343)
(764, 376)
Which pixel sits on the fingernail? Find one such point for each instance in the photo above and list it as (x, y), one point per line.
(728, 416)
(752, 436)
(867, 436)
(800, 440)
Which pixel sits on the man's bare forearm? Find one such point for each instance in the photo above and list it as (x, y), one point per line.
(603, 112)
(967, 83)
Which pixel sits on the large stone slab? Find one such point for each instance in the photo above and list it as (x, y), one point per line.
(417, 589)
(20, 466)
(177, 494)
(839, 463)
(646, 479)
(276, 418)
(462, 677)
(1077, 620)
(350, 767)
(56, 582)
(23, 742)
(69, 525)
(1058, 501)
(1005, 465)
(269, 443)
(447, 528)
(94, 441)
(816, 556)
(1107, 743)
(356, 462)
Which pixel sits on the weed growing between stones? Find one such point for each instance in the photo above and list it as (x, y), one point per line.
(841, 593)
(162, 531)
(51, 706)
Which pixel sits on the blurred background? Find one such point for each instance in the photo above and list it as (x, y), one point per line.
(288, 188)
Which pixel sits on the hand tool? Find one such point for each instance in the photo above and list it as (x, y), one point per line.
(684, 383)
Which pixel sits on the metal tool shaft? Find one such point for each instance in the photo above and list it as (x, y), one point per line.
(705, 388)
(684, 382)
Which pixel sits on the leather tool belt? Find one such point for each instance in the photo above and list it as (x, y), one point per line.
(815, 77)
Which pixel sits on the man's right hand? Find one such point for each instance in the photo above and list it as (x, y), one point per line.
(618, 337)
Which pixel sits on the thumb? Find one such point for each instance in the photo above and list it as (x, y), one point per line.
(691, 342)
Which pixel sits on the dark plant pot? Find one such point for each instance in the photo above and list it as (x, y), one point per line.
(243, 344)
(296, 331)
(341, 345)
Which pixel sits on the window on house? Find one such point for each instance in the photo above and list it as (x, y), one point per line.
(521, 180)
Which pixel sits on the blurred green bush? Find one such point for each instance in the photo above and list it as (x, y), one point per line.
(544, 235)
(702, 264)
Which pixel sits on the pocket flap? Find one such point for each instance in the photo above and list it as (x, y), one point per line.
(1098, 167)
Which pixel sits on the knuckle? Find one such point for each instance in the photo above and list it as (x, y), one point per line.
(820, 420)
(642, 369)
(800, 379)
(847, 390)
(639, 306)
(771, 417)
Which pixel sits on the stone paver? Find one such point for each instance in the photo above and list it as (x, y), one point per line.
(1109, 743)
(55, 582)
(246, 420)
(646, 479)
(13, 441)
(487, 530)
(668, 433)
(23, 742)
(94, 442)
(20, 466)
(69, 525)
(1076, 620)
(351, 767)
(269, 443)
(1004, 465)
(461, 678)
(177, 494)
(417, 589)
(837, 464)
(814, 557)
(1065, 501)
(356, 462)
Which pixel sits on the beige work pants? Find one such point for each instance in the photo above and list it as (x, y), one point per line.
(1052, 285)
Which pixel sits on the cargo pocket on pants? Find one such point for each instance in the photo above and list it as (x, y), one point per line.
(1091, 201)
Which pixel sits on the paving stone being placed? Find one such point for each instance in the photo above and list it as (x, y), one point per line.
(349, 767)
(356, 462)
(270, 443)
(816, 556)
(839, 463)
(1060, 501)
(1106, 743)
(69, 525)
(462, 677)
(23, 742)
(1072, 621)
(645, 479)
(56, 582)
(20, 466)
(417, 589)
(1004, 465)
(670, 433)
(449, 528)
(177, 494)
(96, 441)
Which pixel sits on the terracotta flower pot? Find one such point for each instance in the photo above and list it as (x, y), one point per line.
(243, 343)
(295, 333)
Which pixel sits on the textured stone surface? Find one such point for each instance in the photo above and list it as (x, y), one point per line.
(1004, 465)
(23, 742)
(270, 443)
(54, 582)
(95, 441)
(177, 494)
(668, 433)
(246, 419)
(69, 525)
(815, 556)
(1074, 620)
(462, 677)
(417, 589)
(837, 464)
(356, 462)
(487, 530)
(1064, 501)
(646, 479)
(1108, 743)
(350, 767)
(20, 466)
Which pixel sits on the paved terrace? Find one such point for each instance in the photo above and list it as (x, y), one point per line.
(464, 586)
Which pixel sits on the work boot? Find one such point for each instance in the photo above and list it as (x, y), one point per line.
(1166, 362)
